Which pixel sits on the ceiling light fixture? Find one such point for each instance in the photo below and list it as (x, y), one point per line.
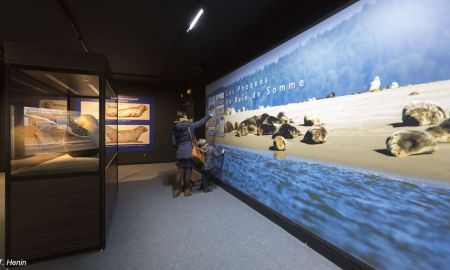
(194, 21)
(56, 80)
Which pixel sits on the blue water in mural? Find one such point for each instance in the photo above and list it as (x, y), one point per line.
(388, 223)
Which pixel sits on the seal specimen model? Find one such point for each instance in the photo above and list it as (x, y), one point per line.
(411, 142)
(316, 135)
(423, 113)
(442, 132)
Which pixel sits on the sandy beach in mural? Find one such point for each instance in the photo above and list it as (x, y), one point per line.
(358, 126)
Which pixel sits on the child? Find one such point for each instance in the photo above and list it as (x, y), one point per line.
(211, 151)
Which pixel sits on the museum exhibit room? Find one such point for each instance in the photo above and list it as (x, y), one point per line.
(225, 135)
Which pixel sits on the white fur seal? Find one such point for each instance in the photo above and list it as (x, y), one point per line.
(411, 142)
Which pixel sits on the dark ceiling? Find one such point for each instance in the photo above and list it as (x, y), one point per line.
(147, 40)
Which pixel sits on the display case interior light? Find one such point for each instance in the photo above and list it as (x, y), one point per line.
(195, 20)
(30, 85)
(93, 88)
(189, 91)
(56, 80)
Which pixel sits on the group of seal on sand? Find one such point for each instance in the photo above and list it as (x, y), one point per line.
(415, 142)
(280, 128)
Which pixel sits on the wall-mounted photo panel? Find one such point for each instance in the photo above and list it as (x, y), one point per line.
(128, 134)
(134, 116)
(128, 111)
(344, 130)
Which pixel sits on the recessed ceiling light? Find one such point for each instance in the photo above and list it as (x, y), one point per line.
(194, 21)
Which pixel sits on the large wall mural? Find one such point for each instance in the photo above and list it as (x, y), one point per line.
(344, 129)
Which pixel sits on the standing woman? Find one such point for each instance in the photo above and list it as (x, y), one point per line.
(181, 138)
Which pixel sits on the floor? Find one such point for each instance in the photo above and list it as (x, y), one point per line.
(151, 230)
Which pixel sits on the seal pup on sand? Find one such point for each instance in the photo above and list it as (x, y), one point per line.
(411, 142)
(310, 120)
(251, 125)
(287, 131)
(316, 135)
(442, 132)
(266, 129)
(423, 113)
(228, 127)
(279, 144)
(242, 131)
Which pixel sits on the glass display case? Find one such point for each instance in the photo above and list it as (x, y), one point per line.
(50, 132)
(61, 165)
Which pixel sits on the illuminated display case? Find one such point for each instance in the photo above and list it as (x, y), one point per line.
(61, 177)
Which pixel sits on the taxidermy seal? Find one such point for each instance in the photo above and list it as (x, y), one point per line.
(423, 113)
(125, 136)
(442, 132)
(411, 142)
(316, 135)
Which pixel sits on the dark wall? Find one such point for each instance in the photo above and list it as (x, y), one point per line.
(166, 103)
(2, 109)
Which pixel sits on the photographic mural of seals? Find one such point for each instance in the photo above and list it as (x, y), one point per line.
(423, 113)
(411, 142)
(125, 136)
(442, 132)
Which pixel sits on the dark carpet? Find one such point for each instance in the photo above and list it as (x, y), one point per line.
(151, 230)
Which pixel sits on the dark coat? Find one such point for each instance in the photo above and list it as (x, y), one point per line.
(181, 138)
(211, 152)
